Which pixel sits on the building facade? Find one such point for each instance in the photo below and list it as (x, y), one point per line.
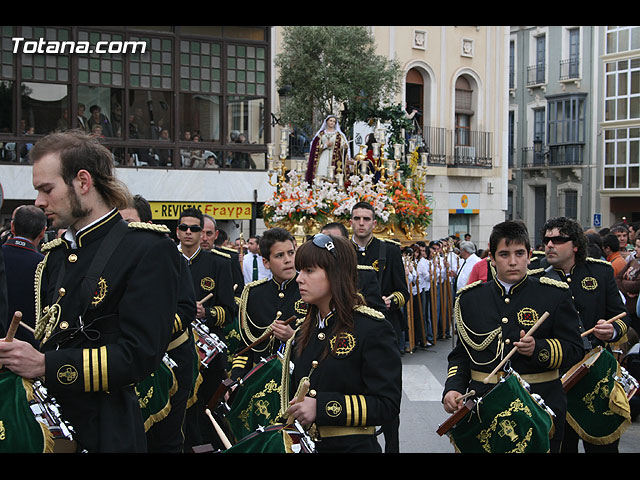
(184, 110)
(553, 95)
(618, 142)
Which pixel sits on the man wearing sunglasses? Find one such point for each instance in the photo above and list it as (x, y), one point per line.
(210, 274)
(595, 295)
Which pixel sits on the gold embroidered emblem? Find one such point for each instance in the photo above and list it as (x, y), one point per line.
(2, 431)
(208, 284)
(527, 317)
(300, 307)
(589, 283)
(504, 427)
(333, 409)
(67, 374)
(543, 356)
(100, 292)
(375, 266)
(342, 346)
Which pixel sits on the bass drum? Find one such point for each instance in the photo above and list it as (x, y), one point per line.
(30, 419)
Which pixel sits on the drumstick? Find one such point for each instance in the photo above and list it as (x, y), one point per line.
(223, 437)
(206, 298)
(302, 392)
(15, 322)
(611, 320)
(24, 325)
(264, 336)
(514, 350)
(470, 393)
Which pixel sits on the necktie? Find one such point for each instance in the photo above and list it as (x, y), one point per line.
(255, 267)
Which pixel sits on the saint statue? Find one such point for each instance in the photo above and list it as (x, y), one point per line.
(328, 147)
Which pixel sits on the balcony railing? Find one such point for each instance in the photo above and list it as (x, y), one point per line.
(553, 156)
(535, 75)
(569, 69)
(476, 151)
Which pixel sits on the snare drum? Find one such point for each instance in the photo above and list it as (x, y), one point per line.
(208, 344)
(598, 404)
(258, 400)
(30, 419)
(507, 419)
(278, 438)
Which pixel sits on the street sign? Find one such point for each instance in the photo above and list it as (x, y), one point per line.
(597, 219)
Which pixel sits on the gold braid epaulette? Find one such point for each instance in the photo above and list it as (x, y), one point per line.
(395, 242)
(369, 312)
(51, 245)
(228, 249)
(537, 252)
(535, 271)
(153, 227)
(366, 267)
(222, 254)
(555, 283)
(598, 260)
(469, 287)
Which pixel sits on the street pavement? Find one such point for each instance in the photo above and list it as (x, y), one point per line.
(423, 377)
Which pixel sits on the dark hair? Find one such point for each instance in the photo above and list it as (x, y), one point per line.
(221, 238)
(572, 229)
(29, 221)
(620, 228)
(342, 273)
(611, 240)
(337, 225)
(192, 212)
(141, 205)
(80, 151)
(594, 245)
(365, 205)
(512, 231)
(271, 237)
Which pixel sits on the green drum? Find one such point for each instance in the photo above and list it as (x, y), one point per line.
(597, 405)
(20, 432)
(277, 438)
(507, 419)
(154, 393)
(259, 399)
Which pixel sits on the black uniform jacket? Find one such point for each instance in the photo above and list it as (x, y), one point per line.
(21, 259)
(211, 273)
(236, 268)
(261, 302)
(386, 259)
(357, 385)
(595, 294)
(95, 357)
(489, 320)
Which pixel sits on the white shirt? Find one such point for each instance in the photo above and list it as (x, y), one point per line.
(465, 270)
(247, 268)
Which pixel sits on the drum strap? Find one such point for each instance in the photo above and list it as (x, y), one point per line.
(552, 273)
(90, 282)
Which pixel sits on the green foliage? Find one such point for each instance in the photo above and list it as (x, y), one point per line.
(333, 69)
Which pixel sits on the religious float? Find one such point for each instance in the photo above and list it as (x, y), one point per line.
(393, 184)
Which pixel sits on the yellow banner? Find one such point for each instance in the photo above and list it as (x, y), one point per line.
(219, 211)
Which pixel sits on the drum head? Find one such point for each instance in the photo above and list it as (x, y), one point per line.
(508, 419)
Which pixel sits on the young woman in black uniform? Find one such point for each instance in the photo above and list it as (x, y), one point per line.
(345, 349)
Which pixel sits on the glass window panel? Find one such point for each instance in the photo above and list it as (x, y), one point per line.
(201, 113)
(621, 178)
(44, 107)
(609, 179)
(150, 112)
(247, 117)
(621, 153)
(621, 109)
(633, 177)
(634, 152)
(609, 153)
(7, 122)
(103, 110)
(634, 107)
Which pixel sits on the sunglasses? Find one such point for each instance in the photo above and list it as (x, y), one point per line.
(556, 240)
(194, 228)
(324, 241)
